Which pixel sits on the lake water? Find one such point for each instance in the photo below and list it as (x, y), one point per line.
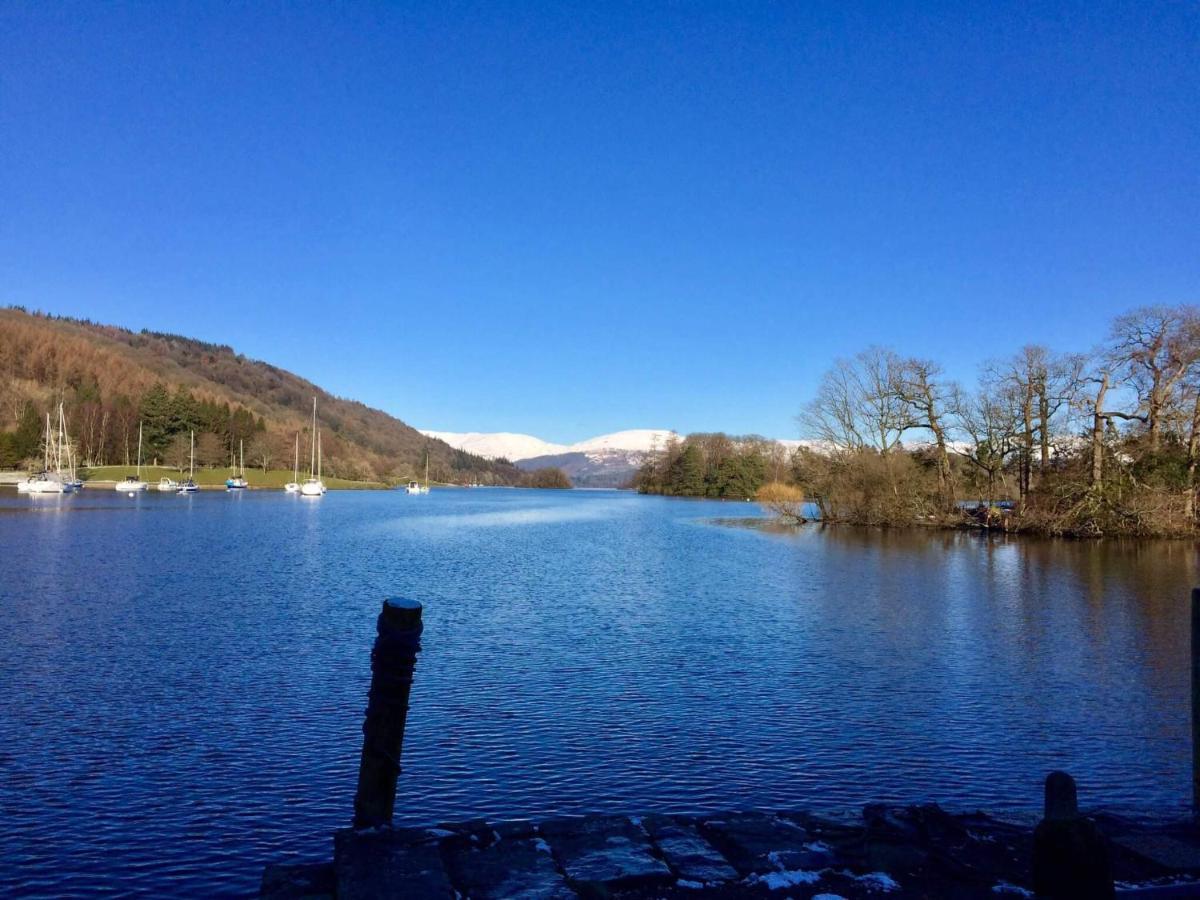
(182, 679)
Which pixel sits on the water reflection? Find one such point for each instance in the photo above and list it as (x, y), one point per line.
(198, 665)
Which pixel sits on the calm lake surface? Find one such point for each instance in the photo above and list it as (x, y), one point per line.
(182, 679)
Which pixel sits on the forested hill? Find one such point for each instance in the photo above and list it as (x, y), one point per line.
(111, 378)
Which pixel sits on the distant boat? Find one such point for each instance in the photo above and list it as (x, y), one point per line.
(72, 478)
(167, 484)
(415, 487)
(314, 486)
(293, 486)
(132, 484)
(51, 480)
(189, 486)
(238, 482)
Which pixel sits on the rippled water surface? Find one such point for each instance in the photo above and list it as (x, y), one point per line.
(182, 679)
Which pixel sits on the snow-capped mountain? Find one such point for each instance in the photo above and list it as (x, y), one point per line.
(515, 447)
(609, 460)
(498, 444)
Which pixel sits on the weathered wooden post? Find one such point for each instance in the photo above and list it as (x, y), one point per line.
(1196, 702)
(1070, 855)
(393, 658)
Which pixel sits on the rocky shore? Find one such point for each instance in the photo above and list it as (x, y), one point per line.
(884, 852)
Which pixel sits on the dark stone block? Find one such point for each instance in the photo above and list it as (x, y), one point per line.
(1171, 853)
(757, 842)
(605, 853)
(382, 864)
(519, 869)
(688, 854)
(298, 882)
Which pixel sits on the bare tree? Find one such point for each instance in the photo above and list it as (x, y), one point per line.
(991, 421)
(858, 405)
(1154, 348)
(919, 385)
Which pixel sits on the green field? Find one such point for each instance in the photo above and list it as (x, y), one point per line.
(272, 478)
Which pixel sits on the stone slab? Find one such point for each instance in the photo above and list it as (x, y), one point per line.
(381, 866)
(757, 842)
(521, 869)
(605, 852)
(689, 855)
(1164, 850)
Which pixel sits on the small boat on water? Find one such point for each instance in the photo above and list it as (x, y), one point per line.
(238, 482)
(132, 484)
(52, 479)
(189, 486)
(314, 486)
(415, 487)
(293, 486)
(167, 484)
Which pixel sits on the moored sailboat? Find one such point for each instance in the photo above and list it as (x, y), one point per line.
(238, 482)
(51, 479)
(132, 484)
(189, 486)
(314, 486)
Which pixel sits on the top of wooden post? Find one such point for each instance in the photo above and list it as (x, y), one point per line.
(1061, 800)
(401, 613)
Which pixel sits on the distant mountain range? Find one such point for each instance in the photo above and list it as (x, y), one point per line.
(607, 461)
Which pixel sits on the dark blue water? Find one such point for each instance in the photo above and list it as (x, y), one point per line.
(182, 679)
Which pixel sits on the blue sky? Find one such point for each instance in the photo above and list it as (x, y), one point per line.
(572, 219)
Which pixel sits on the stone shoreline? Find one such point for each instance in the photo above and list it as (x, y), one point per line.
(886, 852)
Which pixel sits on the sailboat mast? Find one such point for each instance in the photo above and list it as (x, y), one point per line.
(242, 458)
(192, 463)
(312, 465)
(139, 467)
(296, 460)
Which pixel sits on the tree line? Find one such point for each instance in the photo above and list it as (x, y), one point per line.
(1103, 442)
(711, 465)
(104, 430)
(1082, 443)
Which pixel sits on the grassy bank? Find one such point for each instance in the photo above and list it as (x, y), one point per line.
(271, 479)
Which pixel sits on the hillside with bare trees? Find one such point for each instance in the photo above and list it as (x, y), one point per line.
(111, 379)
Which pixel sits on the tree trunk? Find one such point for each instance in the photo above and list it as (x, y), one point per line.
(1027, 450)
(1098, 435)
(1193, 459)
(1043, 432)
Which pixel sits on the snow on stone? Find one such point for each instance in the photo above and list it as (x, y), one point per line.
(775, 881)
(1010, 889)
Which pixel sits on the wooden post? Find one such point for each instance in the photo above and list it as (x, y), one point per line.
(392, 661)
(1196, 701)
(1070, 855)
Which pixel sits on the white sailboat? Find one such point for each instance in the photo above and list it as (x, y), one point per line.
(72, 478)
(189, 486)
(51, 479)
(415, 487)
(131, 484)
(293, 486)
(314, 486)
(238, 482)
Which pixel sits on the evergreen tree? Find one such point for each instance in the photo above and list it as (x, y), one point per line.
(27, 439)
(686, 478)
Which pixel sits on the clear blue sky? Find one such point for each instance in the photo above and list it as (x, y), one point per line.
(568, 220)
